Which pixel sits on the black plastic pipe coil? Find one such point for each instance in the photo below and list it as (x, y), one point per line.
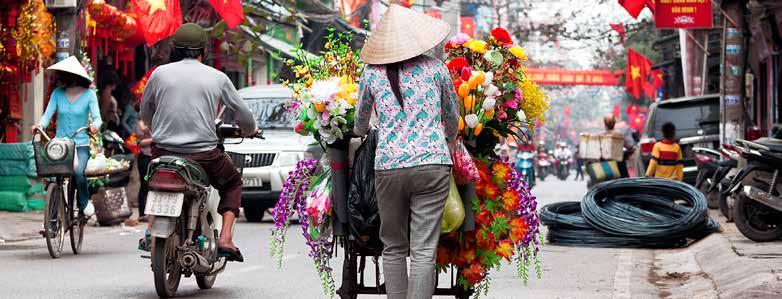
(635, 212)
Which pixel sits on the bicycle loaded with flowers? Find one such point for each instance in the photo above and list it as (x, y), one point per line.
(496, 99)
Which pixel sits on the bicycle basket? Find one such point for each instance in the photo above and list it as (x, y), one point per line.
(54, 157)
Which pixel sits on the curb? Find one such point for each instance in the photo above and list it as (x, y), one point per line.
(710, 268)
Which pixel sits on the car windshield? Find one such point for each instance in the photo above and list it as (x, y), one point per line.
(270, 113)
(688, 117)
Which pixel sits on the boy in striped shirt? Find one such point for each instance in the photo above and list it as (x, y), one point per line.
(666, 160)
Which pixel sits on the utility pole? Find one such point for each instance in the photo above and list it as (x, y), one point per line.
(67, 37)
(734, 60)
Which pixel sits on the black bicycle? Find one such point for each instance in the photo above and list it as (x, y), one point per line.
(54, 159)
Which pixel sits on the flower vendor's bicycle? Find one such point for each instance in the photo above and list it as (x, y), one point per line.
(54, 160)
(354, 267)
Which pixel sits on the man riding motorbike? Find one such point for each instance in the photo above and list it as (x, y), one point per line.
(181, 102)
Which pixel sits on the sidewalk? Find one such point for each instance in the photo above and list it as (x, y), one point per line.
(723, 265)
(20, 226)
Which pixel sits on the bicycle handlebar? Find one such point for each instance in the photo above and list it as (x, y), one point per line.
(40, 131)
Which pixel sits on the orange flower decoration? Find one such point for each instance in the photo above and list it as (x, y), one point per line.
(518, 230)
(474, 274)
(510, 200)
(501, 171)
(444, 256)
(505, 249)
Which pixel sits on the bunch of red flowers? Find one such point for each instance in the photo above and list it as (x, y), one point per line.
(506, 225)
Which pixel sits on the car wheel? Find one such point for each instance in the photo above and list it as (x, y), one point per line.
(253, 212)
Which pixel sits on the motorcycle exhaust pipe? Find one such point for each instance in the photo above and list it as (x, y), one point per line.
(195, 262)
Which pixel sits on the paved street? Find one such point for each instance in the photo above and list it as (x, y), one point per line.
(110, 267)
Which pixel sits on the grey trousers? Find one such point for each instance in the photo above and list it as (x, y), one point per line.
(411, 203)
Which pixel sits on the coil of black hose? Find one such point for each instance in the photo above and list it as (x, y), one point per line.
(567, 227)
(636, 212)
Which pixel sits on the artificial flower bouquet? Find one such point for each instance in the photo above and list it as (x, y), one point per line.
(496, 98)
(307, 192)
(495, 95)
(506, 228)
(325, 90)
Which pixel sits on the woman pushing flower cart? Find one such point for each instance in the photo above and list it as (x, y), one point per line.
(442, 195)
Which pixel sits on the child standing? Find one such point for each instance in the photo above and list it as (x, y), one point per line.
(666, 160)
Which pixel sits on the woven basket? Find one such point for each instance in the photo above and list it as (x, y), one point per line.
(91, 173)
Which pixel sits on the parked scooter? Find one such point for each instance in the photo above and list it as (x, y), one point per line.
(758, 190)
(185, 224)
(707, 161)
(525, 165)
(723, 177)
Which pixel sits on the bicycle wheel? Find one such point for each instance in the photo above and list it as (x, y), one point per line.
(77, 219)
(54, 219)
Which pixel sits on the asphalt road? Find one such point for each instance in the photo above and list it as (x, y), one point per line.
(110, 267)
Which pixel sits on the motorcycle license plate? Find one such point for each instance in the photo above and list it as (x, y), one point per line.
(164, 204)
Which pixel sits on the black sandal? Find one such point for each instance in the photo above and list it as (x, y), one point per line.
(230, 254)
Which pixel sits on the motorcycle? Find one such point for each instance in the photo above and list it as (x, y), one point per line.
(113, 144)
(525, 165)
(184, 223)
(721, 181)
(707, 161)
(543, 165)
(758, 190)
(563, 168)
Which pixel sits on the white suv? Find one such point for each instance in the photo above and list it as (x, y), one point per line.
(267, 162)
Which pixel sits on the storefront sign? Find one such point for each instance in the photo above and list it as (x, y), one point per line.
(567, 77)
(682, 13)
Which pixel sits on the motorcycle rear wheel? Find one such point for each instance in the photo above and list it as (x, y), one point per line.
(165, 266)
(205, 282)
(756, 221)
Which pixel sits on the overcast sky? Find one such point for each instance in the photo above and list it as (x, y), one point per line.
(591, 15)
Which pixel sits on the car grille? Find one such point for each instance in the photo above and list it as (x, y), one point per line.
(259, 160)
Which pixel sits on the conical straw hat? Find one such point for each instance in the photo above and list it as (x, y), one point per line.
(70, 65)
(402, 34)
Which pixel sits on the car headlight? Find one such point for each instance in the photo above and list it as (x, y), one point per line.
(289, 158)
(56, 150)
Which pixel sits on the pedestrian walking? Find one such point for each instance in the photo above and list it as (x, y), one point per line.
(411, 93)
(109, 108)
(666, 160)
(74, 102)
(579, 163)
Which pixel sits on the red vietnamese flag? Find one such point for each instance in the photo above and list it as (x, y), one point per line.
(638, 68)
(159, 19)
(634, 7)
(231, 11)
(620, 29)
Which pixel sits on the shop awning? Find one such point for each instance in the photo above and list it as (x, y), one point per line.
(274, 45)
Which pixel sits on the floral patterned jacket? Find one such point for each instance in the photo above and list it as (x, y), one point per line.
(418, 133)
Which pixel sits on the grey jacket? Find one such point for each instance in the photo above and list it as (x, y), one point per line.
(181, 102)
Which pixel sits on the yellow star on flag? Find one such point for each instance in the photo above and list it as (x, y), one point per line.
(155, 5)
(635, 72)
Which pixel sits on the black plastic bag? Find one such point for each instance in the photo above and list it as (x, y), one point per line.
(362, 204)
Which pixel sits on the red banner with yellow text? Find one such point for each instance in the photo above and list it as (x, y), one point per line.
(573, 77)
(683, 13)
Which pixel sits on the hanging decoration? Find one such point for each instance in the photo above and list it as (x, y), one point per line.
(112, 23)
(141, 84)
(34, 35)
